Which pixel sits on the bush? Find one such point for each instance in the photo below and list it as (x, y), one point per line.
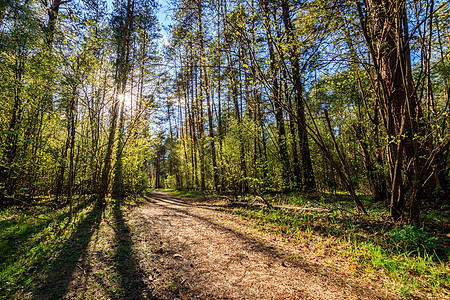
(170, 182)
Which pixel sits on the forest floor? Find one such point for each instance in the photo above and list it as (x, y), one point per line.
(165, 247)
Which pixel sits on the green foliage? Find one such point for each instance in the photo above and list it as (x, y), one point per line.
(29, 241)
(56, 80)
(170, 182)
(411, 238)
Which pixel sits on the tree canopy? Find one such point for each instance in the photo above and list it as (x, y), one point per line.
(244, 97)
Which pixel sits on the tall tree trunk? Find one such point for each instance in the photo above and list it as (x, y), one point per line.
(309, 182)
(203, 92)
(106, 171)
(52, 13)
(124, 71)
(211, 133)
(72, 122)
(295, 159)
(276, 100)
(121, 82)
(385, 27)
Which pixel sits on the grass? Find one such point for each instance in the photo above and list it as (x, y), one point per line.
(40, 253)
(28, 241)
(413, 261)
(184, 193)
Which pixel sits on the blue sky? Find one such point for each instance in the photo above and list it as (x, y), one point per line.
(163, 15)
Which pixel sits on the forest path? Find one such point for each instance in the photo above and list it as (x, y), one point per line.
(205, 253)
(164, 247)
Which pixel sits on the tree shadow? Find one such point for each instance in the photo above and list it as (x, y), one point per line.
(131, 275)
(18, 236)
(432, 239)
(60, 272)
(376, 231)
(255, 245)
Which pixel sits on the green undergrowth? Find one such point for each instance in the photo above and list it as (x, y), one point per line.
(411, 260)
(29, 239)
(40, 253)
(184, 193)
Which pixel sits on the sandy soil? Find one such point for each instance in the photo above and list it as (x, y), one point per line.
(215, 255)
(169, 248)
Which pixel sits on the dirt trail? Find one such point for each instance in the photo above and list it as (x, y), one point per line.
(202, 253)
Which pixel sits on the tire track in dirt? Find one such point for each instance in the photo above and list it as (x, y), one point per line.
(201, 254)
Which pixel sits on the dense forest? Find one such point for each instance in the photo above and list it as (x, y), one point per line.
(310, 95)
(78, 89)
(243, 97)
(227, 149)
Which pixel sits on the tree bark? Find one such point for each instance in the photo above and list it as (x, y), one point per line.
(385, 27)
(121, 82)
(276, 100)
(309, 182)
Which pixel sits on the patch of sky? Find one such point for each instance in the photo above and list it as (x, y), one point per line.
(165, 10)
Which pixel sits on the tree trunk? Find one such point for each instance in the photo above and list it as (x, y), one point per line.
(121, 82)
(388, 40)
(276, 100)
(309, 182)
(211, 133)
(72, 123)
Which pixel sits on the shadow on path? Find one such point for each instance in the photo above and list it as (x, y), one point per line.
(130, 273)
(60, 271)
(252, 244)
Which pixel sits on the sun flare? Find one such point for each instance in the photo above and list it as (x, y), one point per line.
(126, 99)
